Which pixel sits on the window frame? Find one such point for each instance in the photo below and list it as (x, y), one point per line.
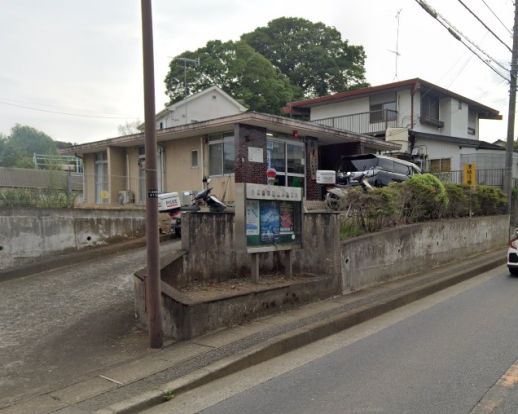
(221, 140)
(286, 174)
(101, 183)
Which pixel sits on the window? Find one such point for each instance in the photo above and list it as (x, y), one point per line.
(430, 110)
(221, 155)
(101, 178)
(194, 159)
(288, 159)
(440, 165)
(383, 108)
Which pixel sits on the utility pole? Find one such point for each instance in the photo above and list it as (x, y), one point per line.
(153, 290)
(508, 184)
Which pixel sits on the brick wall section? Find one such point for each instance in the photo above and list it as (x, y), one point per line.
(249, 136)
(313, 190)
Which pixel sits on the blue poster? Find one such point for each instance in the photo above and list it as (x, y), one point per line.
(270, 222)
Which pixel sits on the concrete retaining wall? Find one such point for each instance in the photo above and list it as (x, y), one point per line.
(27, 234)
(209, 239)
(404, 250)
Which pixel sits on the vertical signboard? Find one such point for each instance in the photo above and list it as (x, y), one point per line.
(470, 175)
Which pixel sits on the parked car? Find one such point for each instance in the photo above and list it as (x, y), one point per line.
(512, 256)
(381, 170)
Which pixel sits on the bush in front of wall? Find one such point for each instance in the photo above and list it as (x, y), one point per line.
(424, 198)
(459, 200)
(488, 200)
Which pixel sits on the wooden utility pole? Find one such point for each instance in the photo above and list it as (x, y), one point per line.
(153, 290)
(508, 182)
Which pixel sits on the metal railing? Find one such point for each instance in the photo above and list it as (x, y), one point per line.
(492, 177)
(362, 123)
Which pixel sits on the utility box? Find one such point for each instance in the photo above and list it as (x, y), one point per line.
(168, 202)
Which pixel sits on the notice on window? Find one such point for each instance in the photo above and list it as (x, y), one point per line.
(270, 222)
(286, 218)
(255, 154)
(252, 218)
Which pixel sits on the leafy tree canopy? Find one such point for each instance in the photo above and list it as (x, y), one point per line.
(236, 68)
(17, 149)
(312, 55)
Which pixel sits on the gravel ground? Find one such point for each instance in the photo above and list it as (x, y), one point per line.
(60, 325)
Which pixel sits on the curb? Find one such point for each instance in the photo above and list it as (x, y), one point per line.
(288, 342)
(75, 257)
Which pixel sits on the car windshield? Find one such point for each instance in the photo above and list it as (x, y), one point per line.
(358, 164)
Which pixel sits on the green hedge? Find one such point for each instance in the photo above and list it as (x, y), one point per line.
(43, 198)
(423, 197)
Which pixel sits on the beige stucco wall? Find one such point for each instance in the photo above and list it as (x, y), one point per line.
(116, 172)
(179, 174)
(132, 170)
(89, 171)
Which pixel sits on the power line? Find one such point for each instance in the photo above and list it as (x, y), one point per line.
(66, 113)
(457, 34)
(485, 25)
(497, 18)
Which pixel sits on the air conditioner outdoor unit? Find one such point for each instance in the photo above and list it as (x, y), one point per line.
(126, 197)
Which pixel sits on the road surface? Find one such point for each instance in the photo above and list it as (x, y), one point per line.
(59, 325)
(452, 352)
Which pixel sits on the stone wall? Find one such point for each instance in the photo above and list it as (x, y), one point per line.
(29, 233)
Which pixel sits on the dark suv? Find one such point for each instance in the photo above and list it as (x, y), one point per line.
(380, 170)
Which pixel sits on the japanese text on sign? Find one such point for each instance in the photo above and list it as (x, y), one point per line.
(470, 174)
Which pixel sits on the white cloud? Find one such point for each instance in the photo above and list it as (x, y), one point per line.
(85, 56)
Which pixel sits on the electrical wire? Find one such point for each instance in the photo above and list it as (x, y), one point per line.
(457, 34)
(31, 108)
(485, 25)
(497, 18)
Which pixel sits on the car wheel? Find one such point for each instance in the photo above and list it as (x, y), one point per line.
(513, 271)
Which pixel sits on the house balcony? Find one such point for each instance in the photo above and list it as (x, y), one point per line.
(370, 123)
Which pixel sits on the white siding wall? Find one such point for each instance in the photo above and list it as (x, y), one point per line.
(351, 107)
(208, 106)
(404, 107)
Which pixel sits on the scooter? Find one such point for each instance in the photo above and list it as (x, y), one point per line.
(197, 199)
(205, 197)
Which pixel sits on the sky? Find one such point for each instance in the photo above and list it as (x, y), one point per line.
(73, 68)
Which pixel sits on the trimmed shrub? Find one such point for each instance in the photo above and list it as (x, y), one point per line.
(459, 199)
(488, 201)
(425, 198)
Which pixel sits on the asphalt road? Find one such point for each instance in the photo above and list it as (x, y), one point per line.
(59, 325)
(447, 355)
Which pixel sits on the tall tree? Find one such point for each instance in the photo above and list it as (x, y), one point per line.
(312, 55)
(237, 69)
(18, 148)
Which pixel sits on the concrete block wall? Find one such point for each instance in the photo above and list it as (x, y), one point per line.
(29, 234)
(404, 250)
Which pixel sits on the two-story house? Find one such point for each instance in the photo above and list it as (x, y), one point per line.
(437, 128)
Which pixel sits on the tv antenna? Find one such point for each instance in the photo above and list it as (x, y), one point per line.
(186, 61)
(396, 52)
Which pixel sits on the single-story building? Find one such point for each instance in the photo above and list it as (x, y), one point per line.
(230, 149)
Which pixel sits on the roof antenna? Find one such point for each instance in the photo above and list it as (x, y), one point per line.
(396, 52)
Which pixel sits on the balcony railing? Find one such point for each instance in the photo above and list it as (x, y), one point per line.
(375, 122)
